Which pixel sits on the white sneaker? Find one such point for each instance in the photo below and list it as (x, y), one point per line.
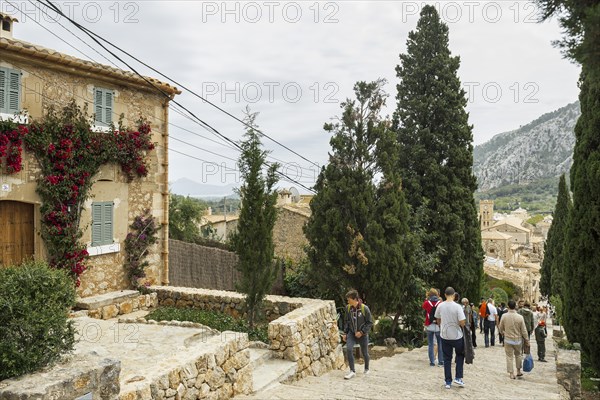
(350, 375)
(367, 372)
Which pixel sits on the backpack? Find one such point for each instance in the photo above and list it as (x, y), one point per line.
(432, 319)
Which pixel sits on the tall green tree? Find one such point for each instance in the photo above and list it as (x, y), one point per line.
(552, 279)
(357, 229)
(436, 154)
(185, 214)
(253, 240)
(581, 23)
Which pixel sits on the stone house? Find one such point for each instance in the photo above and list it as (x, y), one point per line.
(293, 211)
(223, 225)
(34, 78)
(512, 227)
(496, 245)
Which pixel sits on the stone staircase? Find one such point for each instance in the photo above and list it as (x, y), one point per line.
(269, 372)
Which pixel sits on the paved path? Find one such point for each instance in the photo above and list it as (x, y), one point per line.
(409, 376)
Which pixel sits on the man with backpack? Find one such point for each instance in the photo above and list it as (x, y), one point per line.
(451, 319)
(358, 323)
(432, 328)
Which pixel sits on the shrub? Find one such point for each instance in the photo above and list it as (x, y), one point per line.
(34, 325)
(216, 320)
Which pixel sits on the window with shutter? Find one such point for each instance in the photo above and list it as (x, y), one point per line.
(103, 106)
(10, 91)
(102, 223)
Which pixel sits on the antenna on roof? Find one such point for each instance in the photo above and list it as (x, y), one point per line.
(295, 195)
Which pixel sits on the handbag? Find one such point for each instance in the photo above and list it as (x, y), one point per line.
(528, 363)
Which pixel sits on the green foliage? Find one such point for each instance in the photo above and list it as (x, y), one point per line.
(558, 309)
(253, 241)
(34, 324)
(552, 281)
(143, 234)
(300, 282)
(185, 214)
(512, 291)
(213, 319)
(537, 197)
(582, 243)
(498, 294)
(404, 337)
(358, 232)
(535, 219)
(436, 154)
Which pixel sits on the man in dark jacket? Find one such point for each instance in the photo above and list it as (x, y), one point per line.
(527, 316)
(358, 323)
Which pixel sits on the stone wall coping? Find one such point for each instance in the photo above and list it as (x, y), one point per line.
(101, 300)
(54, 380)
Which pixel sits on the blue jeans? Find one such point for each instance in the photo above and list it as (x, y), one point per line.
(447, 347)
(430, 336)
(363, 341)
(489, 328)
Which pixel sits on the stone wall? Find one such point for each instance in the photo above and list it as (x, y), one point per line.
(110, 305)
(224, 371)
(79, 376)
(568, 373)
(301, 330)
(288, 235)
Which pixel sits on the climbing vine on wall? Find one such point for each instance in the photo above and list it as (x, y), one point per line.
(143, 234)
(69, 153)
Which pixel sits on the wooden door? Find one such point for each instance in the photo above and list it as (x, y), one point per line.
(16, 232)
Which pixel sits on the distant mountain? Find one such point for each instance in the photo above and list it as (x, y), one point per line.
(537, 151)
(188, 187)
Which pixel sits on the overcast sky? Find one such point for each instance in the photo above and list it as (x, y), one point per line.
(294, 62)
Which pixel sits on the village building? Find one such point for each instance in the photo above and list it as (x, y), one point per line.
(34, 78)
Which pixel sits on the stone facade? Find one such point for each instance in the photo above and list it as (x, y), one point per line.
(82, 375)
(49, 79)
(222, 373)
(301, 330)
(112, 306)
(288, 235)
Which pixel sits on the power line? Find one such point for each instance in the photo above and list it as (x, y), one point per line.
(92, 34)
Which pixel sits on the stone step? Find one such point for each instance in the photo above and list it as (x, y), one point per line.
(259, 356)
(101, 300)
(133, 315)
(271, 373)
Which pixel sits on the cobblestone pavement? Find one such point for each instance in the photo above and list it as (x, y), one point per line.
(409, 376)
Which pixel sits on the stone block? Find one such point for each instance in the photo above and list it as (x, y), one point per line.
(568, 371)
(243, 382)
(110, 311)
(174, 378)
(215, 377)
(126, 307)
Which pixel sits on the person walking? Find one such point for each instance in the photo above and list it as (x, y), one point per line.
(489, 324)
(451, 319)
(358, 323)
(540, 339)
(512, 326)
(432, 328)
(475, 312)
(482, 314)
(527, 315)
(501, 311)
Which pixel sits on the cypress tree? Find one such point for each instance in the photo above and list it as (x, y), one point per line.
(357, 229)
(552, 266)
(581, 23)
(253, 240)
(436, 156)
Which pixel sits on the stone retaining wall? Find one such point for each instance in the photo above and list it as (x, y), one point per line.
(82, 375)
(301, 330)
(568, 373)
(222, 372)
(110, 308)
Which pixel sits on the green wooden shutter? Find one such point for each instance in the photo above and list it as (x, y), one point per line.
(102, 223)
(107, 229)
(103, 106)
(14, 92)
(3, 89)
(108, 106)
(96, 224)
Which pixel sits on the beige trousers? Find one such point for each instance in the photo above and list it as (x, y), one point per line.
(513, 350)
